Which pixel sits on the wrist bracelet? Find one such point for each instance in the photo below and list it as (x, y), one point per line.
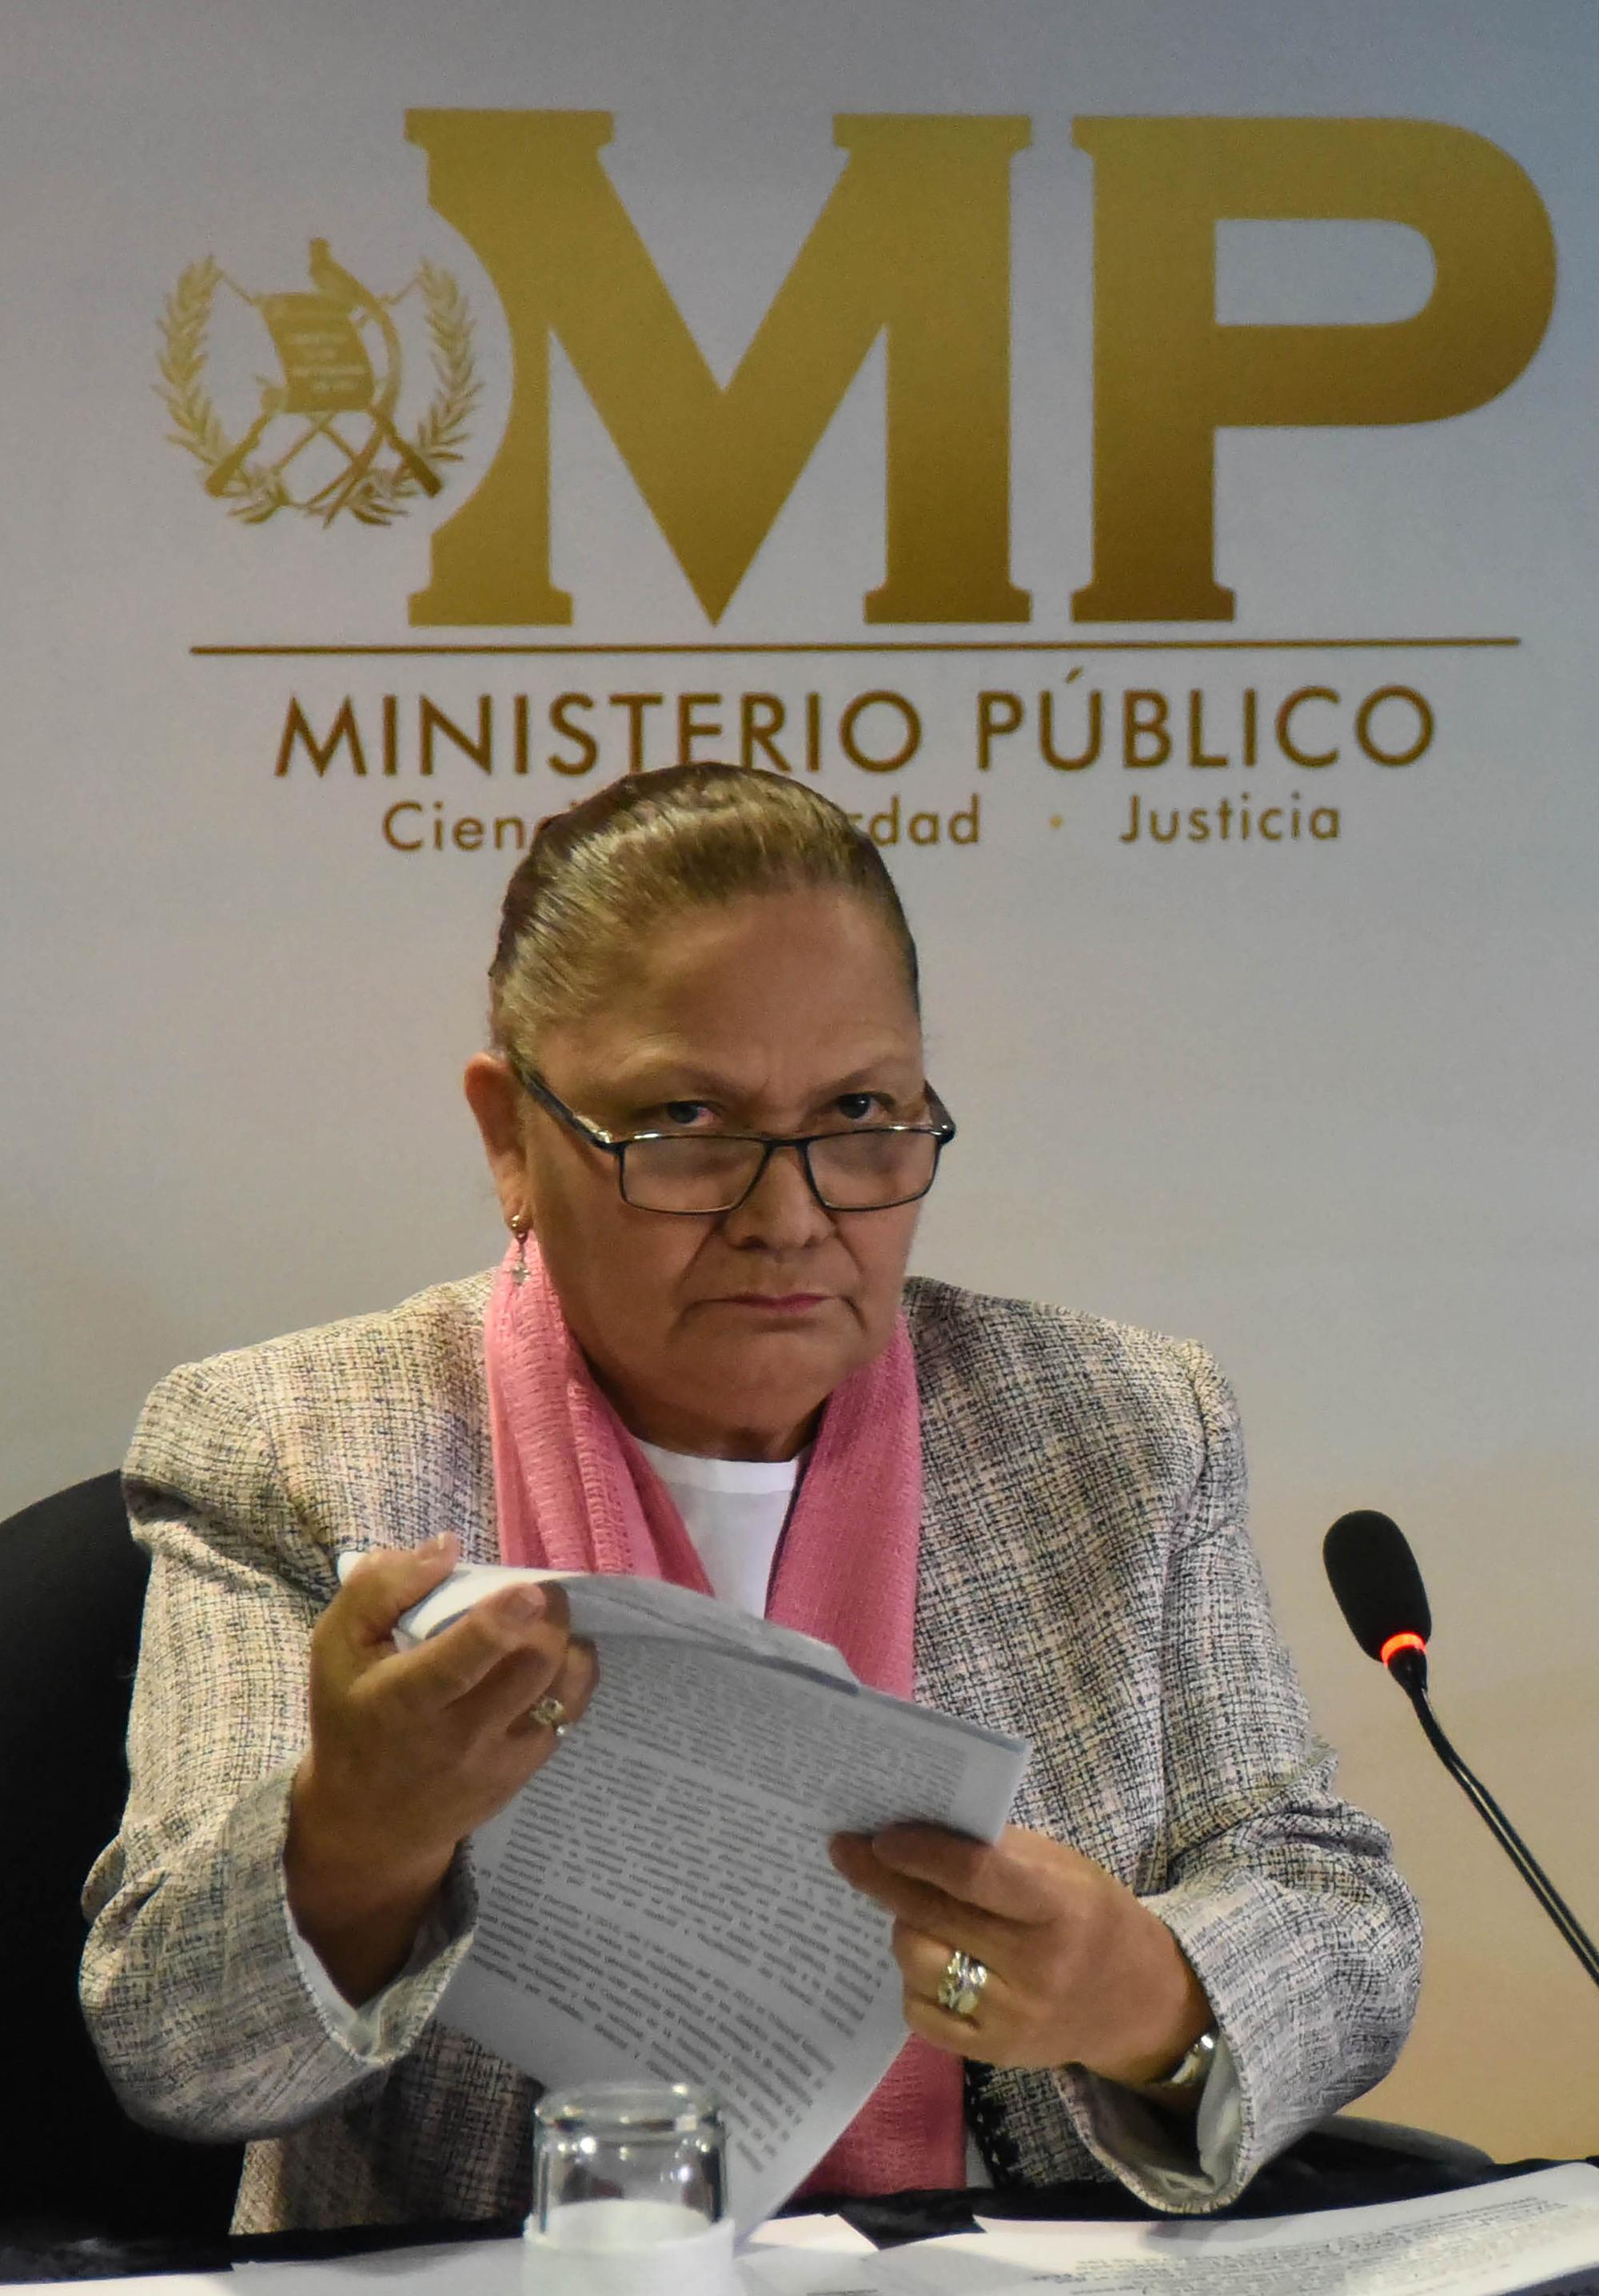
(1192, 2068)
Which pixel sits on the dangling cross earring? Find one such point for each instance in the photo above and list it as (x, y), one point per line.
(519, 1229)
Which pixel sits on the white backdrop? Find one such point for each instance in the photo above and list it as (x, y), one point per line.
(1327, 1104)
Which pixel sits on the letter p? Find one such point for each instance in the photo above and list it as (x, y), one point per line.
(1167, 376)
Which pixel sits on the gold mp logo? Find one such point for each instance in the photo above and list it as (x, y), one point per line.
(325, 438)
(911, 248)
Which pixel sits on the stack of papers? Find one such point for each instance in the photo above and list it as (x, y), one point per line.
(658, 1902)
(1539, 2232)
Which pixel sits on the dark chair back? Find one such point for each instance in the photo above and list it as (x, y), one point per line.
(71, 1596)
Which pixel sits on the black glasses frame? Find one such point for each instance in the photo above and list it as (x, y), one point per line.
(941, 1132)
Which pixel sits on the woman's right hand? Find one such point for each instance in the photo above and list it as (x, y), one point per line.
(411, 1750)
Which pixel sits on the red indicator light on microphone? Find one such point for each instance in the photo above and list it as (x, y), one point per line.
(1398, 1643)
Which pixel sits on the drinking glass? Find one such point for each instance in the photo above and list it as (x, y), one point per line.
(630, 2191)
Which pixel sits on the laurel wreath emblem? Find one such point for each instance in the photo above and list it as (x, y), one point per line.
(256, 491)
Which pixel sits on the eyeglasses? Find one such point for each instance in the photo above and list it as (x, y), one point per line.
(869, 1169)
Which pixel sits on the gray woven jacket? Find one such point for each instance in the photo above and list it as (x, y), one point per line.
(1085, 1581)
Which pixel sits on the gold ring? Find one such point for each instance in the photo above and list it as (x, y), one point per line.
(552, 1714)
(960, 1988)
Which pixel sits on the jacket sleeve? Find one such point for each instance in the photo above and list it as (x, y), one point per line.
(1283, 1896)
(191, 1988)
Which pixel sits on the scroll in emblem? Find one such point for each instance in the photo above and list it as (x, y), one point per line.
(325, 437)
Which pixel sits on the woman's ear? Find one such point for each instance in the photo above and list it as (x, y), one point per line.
(496, 1100)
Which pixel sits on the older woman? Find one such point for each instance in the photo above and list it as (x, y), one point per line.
(709, 1129)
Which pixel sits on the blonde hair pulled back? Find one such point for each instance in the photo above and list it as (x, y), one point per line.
(600, 883)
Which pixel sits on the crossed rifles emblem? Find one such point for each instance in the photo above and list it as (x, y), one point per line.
(340, 353)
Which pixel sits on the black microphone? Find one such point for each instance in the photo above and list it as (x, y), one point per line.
(1379, 1588)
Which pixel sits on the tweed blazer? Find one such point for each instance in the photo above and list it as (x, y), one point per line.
(1085, 1581)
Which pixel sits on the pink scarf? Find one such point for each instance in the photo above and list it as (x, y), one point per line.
(575, 1493)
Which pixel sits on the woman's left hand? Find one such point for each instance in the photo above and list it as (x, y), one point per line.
(1079, 1972)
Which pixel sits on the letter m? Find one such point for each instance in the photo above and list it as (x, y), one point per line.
(913, 244)
(344, 731)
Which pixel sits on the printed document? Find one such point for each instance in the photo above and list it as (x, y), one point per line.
(659, 1900)
(1534, 2232)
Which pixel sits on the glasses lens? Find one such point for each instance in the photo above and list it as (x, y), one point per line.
(854, 1171)
(857, 1171)
(702, 1174)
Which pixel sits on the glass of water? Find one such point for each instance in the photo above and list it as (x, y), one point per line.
(630, 2184)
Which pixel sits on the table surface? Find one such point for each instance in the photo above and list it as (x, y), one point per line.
(1325, 2170)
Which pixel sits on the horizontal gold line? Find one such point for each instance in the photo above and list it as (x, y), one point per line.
(852, 646)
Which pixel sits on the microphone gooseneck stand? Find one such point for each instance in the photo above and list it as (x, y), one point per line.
(1408, 1668)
